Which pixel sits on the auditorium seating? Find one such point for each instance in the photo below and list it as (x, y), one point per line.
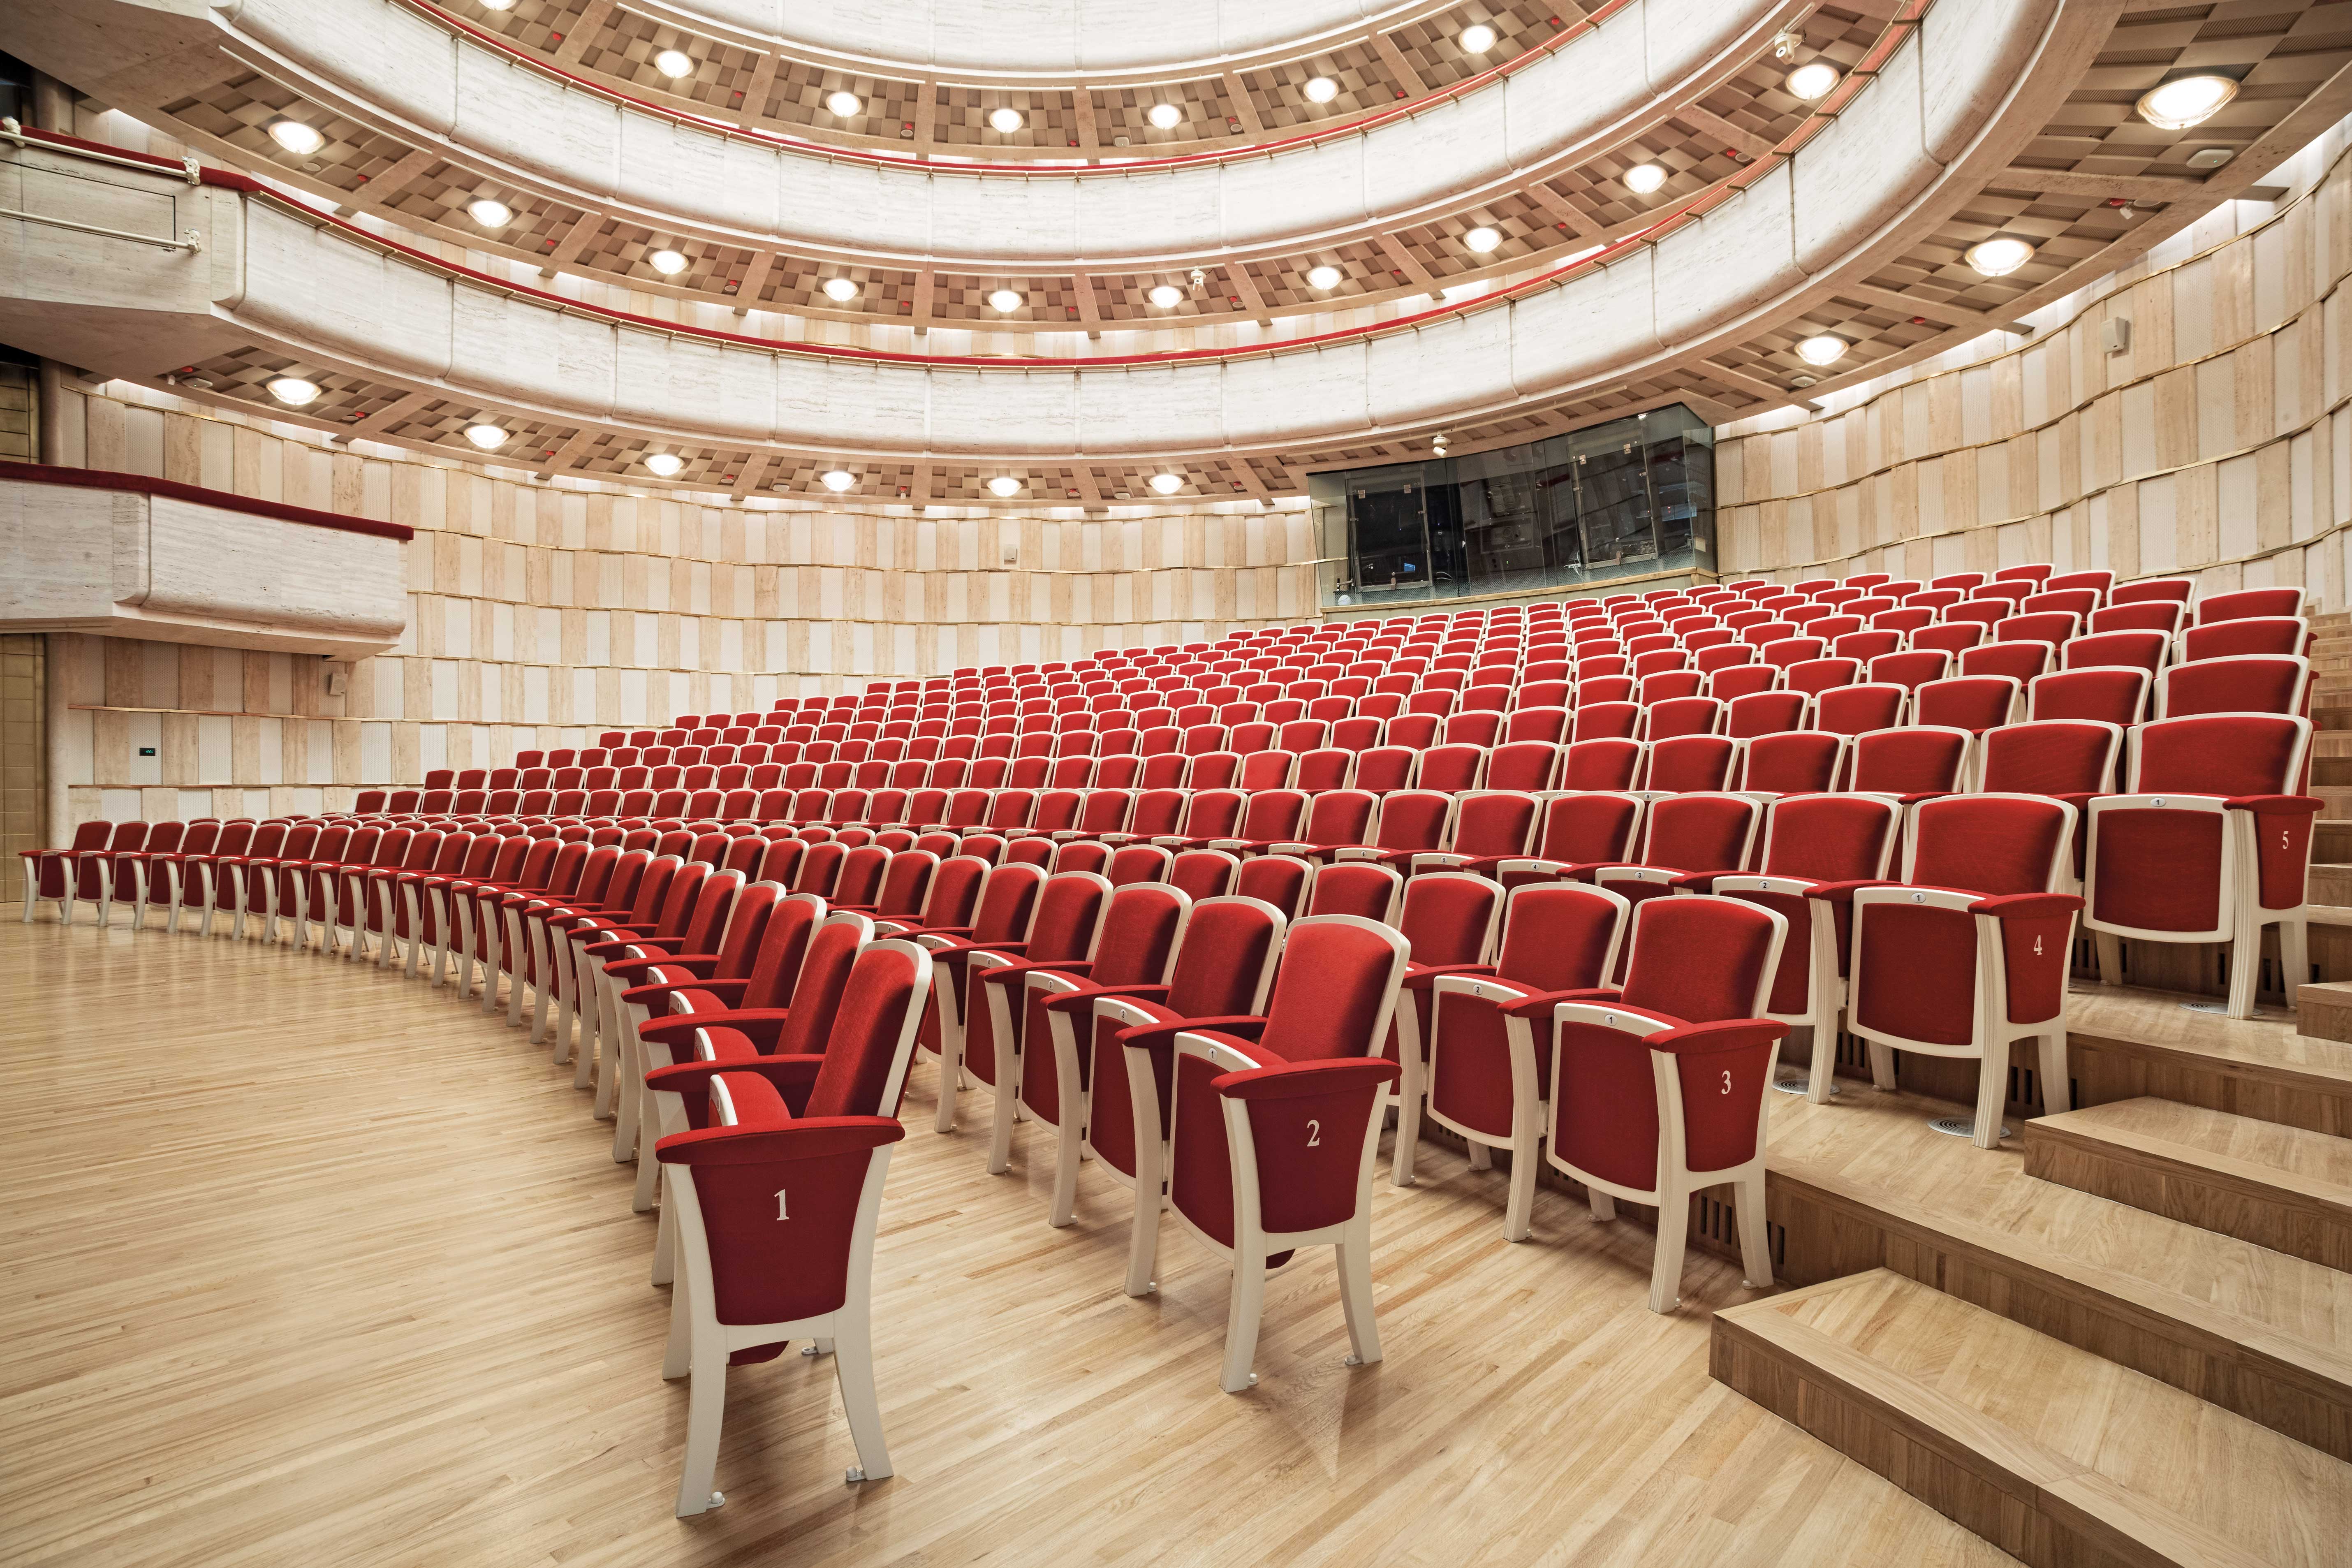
(1202, 913)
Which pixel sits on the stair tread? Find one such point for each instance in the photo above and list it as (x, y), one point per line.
(2269, 1047)
(1865, 1150)
(2314, 1166)
(2118, 1453)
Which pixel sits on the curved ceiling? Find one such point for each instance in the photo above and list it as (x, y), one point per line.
(1990, 117)
(383, 65)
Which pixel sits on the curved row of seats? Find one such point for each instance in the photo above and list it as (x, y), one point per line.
(1220, 991)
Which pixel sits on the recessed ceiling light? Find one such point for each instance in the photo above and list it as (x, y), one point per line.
(674, 63)
(840, 289)
(1004, 302)
(498, 4)
(1477, 38)
(1005, 122)
(485, 436)
(1643, 178)
(1005, 485)
(1326, 278)
(1823, 348)
(2185, 101)
(1167, 296)
(1812, 80)
(293, 389)
(1167, 484)
(843, 105)
(296, 137)
(838, 479)
(490, 213)
(1164, 115)
(1998, 258)
(1321, 89)
(1482, 239)
(2210, 157)
(664, 463)
(669, 263)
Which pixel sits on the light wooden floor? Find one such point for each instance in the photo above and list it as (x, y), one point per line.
(307, 1265)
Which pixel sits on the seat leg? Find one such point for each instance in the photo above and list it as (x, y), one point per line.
(1604, 1207)
(1241, 1318)
(2245, 968)
(853, 1367)
(517, 962)
(538, 936)
(1406, 1149)
(1069, 1144)
(2108, 949)
(1004, 1110)
(2057, 1086)
(677, 1355)
(1755, 1239)
(665, 1239)
(1882, 1067)
(628, 1089)
(1674, 1233)
(1520, 1208)
(1143, 1236)
(608, 1053)
(488, 919)
(648, 1168)
(584, 1060)
(706, 1408)
(951, 1054)
(1821, 1076)
(1481, 1157)
(2295, 958)
(1992, 1091)
(1353, 1253)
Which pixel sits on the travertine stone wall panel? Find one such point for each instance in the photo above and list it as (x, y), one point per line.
(2220, 444)
(538, 616)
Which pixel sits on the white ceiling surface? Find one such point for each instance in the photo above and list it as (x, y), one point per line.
(319, 288)
(381, 61)
(1042, 39)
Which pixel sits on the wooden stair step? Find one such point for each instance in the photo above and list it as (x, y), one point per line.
(1864, 1182)
(2052, 1453)
(2276, 1187)
(2124, 1043)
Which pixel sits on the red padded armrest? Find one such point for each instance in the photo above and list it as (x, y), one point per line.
(1844, 893)
(2026, 906)
(1288, 1081)
(1083, 1000)
(1163, 1035)
(817, 1138)
(640, 965)
(1006, 974)
(751, 1021)
(2278, 804)
(1726, 1035)
(1423, 976)
(694, 1078)
(1541, 1005)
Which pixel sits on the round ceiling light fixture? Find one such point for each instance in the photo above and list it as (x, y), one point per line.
(293, 390)
(1477, 38)
(674, 63)
(664, 463)
(1321, 89)
(1004, 302)
(1812, 80)
(1166, 116)
(1822, 349)
(1005, 485)
(669, 263)
(1643, 178)
(1324, 278)
(1167, 484)
(498, 4)
(843, 105)
(489, 212)
(1005, 122)
(840, 289)
(2185, 101)
(485, 436)
(1998, 258)
(296, 137)
(1167, 296)
(838, 479)
(1482, 239)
